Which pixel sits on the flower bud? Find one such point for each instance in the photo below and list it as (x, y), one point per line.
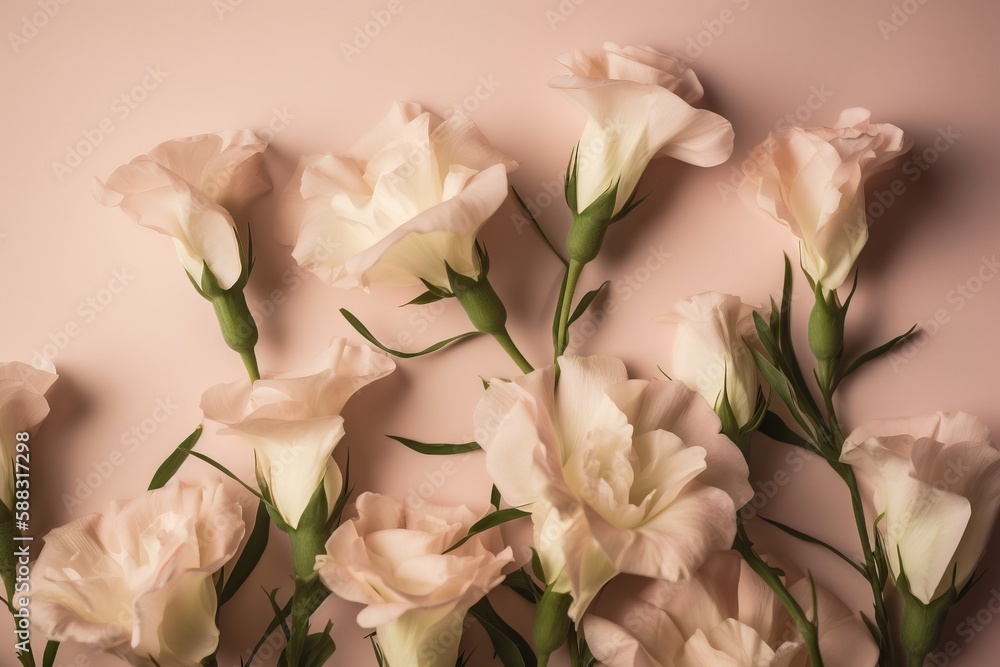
(551, 621)
(480, 301)
(922, 623)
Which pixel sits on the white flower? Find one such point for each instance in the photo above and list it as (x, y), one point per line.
(22, 409)
(293, 421)
(638, 106)
(620, 475)
(937, 481)
(137, 581)
(391, 558)
(408, 197)
(710, 355)
(812, 181)
(725, 616)
(187, 189)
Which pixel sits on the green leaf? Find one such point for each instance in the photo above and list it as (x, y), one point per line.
(805, 537)
(319, 647)
(228, 473)
(777, 381)
(495, 497)
(512, 649)
(536, 565)
(775, 428)
(436, 449)
(250, 556)
(491, 520)
(361, 329)
(874, 354)
(538, 228)
(521, 583)
(49, 657)
(172, 463)
(425, 298)
(585, 302)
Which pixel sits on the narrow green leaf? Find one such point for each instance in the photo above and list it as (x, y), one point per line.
(228, 473)
(536, 566)
(49, 657)
(250, 556)
(361, 329)
(436, 449)
(510, 647)
(585, 302)
(775, 428)
(777, 381)
(319, 647)
(495, 497)
(423, 299)
(538, 228)
(522, 584)
(173, 462)
(874, 354)
(805, 537)
(491, 520)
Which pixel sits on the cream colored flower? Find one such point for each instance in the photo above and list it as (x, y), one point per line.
(812, 181)
(725, 616)
(391, 558)
(137, 581)
(22, 409)
(620, 475)
(638, 106)
(187, 188)
(936, 479)
(407, 198)
(293, 422)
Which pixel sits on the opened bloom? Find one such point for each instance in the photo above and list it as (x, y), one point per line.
(187, 189)
(638, 105)
(711, 354)
(725, 616)
(405, 199)
(137, 580)
(293, 422)
(391, 558)
(619, 475)
(936, 480)
(22, 409)
(812, 181)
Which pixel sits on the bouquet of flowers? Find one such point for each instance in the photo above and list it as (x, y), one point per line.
(636, 489)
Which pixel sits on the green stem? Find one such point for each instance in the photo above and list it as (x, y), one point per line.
(808, 629)
(566, 306)
(250, 361)
(916, 660)
(543, 660)
(574, 647)
(507, 343)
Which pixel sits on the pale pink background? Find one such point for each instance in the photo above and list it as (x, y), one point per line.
(282, 64)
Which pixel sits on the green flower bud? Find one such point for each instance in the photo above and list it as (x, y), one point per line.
(480, 301)
(922, 624)
(552, 621)
(586, 234)
(826, 327)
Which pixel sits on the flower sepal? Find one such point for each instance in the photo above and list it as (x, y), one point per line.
(586, 233)
(482, 304)
(922, 623)
(552, 622)
(826, 332)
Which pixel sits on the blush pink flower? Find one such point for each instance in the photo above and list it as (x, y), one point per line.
(406, 198)
(725, 616)
(619, 475)
(638, 106)
(187, 189)
(391, 559)
(137, 581)
(936, 480)
(812, 181)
